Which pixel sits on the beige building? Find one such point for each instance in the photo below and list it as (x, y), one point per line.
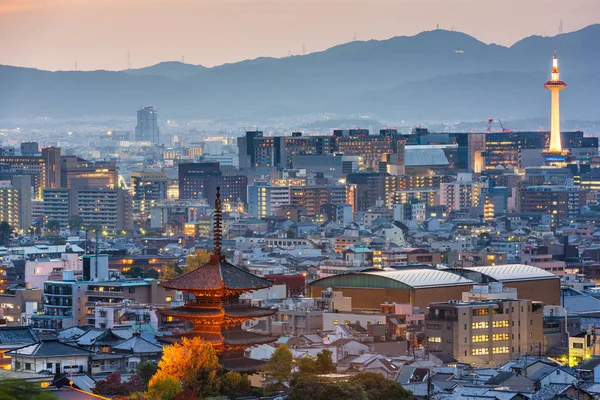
(485, 332)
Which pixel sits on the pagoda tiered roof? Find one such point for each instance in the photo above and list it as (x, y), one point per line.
(233, 338)
(218, 274)
(231, 311)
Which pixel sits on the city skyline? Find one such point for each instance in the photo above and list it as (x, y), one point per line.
(116, 35)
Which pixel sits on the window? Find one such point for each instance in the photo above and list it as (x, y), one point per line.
(578, 345)
(480, 338)
(480, 325)
(480, 352)
(131, 290)
(500, 336)
(500, 350)
(435, 340)
(168, 299)
(478, 312)
(49, 366)
(28, 366)
(335, 322)
(500, 324)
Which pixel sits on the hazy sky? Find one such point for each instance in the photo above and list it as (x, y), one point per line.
(97, 34)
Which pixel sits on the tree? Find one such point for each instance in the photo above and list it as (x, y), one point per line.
(75, 222)
(279, 366)
(194, 363)
(307, 364)
(19, 389)
(145, 370)
(306, 387)
(167, 272)
(325, 363)
(53, 226)
(114, 386)
(234, 385)
(163, 387)
(378, 387)
(5, 233)
(200, 257)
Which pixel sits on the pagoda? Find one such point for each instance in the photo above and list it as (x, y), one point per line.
(215, 309)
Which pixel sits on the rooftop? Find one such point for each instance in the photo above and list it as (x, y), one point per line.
(514, 272)
(423, 278)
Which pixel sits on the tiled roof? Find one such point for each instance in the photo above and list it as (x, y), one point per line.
(138, 345)
(49, 348)
(17, 334)
(217, 274)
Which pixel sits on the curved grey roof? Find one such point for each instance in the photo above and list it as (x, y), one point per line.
(424, 278)
(514, 272)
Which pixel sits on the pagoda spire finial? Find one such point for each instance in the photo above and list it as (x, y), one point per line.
(217, 227)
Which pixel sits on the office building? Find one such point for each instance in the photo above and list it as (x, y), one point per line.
(35, 166)
(264, 198)
(146, 129)
(194, 178)
(485, 333)
(22, 183)
(59, 206)
(99, 174)
(246, 148)
(51, 156)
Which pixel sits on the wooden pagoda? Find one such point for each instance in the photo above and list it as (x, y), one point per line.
(215, 309)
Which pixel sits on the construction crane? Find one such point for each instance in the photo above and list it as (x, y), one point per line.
(504, 130)
(489, 125)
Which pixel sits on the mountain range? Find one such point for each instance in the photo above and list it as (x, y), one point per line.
(435, 75)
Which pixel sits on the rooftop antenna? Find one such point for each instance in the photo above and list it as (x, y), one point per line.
(128, 60)
(217, 227)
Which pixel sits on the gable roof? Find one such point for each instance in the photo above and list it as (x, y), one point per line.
(16, 335)
(49, 348)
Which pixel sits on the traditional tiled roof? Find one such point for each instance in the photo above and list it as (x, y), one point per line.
(217, 274)
(49, 348)
(239, 311)
(16, 335)
(138, 345)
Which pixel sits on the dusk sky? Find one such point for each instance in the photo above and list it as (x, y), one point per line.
(97, 34)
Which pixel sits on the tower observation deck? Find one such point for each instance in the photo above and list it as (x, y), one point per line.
(555, 155)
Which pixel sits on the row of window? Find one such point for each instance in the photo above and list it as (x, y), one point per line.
(485, 351)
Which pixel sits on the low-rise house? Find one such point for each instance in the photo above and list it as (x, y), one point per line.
(50, 356)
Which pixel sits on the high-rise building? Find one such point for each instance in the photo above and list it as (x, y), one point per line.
(148, 188)
(59, 206)
(193, 178)
(35, 166)
(146, 129)
(105, 208)
(22, 183)
(51, 157)
(462, 194)
(246, 148)
(562, 202)
(9, 205)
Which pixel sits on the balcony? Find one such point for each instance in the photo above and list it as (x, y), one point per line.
(104, 293)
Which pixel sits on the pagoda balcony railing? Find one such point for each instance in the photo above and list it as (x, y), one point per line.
(217, 302)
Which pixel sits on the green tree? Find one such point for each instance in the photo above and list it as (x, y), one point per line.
(279, 366)
(5, 233)
(378, 387)
(53, 226)
(325, 363)
(145, 370)
(306, 387)
(193, 363)
(307, 364)
(163, 387)
(234, 385)
(19, 389)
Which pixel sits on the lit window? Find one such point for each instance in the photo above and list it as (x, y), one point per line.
(480, 325)
(169, 298)
(480, 338)
(500, 324)
(435, 339)
(335, 322)
(480, 352)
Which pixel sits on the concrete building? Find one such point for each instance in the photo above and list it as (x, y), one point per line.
(108, 209)
(464, 193)
(148, 189)
(58, 206)
(484, 333)
(562, 202)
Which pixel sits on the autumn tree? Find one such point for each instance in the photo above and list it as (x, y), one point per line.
(113, 385)
(234, 385)
(167, 272)
(193, 363)
(279, 366)
(200, 257)
(20, 389)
